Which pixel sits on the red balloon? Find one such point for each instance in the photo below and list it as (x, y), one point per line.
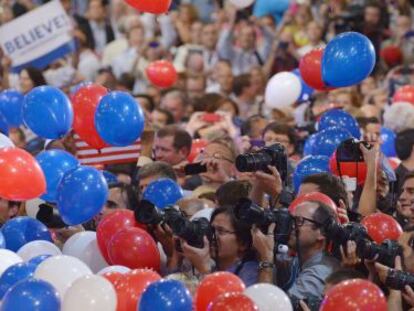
(233, 302)
(197, 146)
(150, 6)
(84, 103)
(134, 248)
(214, 285)
(310, 67)
(130, 288)
(394, 163)
(392, 55)
(381, 227)
(404, 94)
(356, 294)
(21, 177)
(356, 170)
(313, 196)
(162, 73)
(113, 277)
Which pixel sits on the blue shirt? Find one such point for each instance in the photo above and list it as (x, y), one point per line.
(248, 271)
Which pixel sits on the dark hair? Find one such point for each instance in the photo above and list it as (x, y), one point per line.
(408, 176)
(323, 213)
(282, 129)
(159, 168)
(329, 185)
(149, 98)
(127, 81)
(209, 102)
(343, 275)
(240, 83)
(232, 102)
(231, 192)
(36, 76)
(248, 124)
(181, 137)
(170, 117)
(404, 143)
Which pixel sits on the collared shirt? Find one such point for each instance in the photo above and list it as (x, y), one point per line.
(248, 271)
(99, 35)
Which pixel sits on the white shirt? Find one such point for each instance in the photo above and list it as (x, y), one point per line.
(99, 35)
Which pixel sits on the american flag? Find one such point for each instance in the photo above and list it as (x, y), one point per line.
(109, 155)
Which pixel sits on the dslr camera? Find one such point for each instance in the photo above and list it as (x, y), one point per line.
(274, 155)
(397, 279)
(192, 232)
(349, 150)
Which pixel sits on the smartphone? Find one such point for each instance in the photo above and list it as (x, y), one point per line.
(260, 143)
(211, 117)
(195, 169)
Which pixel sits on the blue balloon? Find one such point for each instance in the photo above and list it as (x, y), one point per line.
(166, 295)
(275, 8)
(11, 106)
(119, 119)
(307, 91)
(327, 140)
(308, 166)
(347, 60)
(388, 142)
(163, 192)
(48, 112)
(31, 295)
(39, 259)
(340, 118)
(54, 164)
(2, 240)
(4, 128)
(81, 195)
(21, 230)
(15, 274)
(110, 177)
(309, 143)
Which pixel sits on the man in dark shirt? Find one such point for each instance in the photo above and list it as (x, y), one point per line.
(404, 146)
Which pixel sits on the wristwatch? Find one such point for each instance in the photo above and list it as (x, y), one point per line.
(266, 265)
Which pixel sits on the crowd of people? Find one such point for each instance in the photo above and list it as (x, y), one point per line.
(216, 111)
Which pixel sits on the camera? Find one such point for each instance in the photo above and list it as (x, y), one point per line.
(384, 253)
(274, 155)
(312, 302)
(399, 279)
(195, 169)
(349, 151)
(250, 213)
(192, 232)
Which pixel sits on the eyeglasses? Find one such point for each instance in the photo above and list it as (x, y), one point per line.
(299, 221)
(216, 155)
(221, 231)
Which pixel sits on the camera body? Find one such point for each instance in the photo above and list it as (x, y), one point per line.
(349, 151)
(274, 155)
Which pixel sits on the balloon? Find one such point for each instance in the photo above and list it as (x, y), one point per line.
(150, 6)
(83, 245)
(90, 292)
(308, 166)
(61, 271)
(54, 164)
(21, 230)
(119, 119)
(269, 297)
(339, 118)
(388, 142)
(382, 227)
(2, 241)
(161, 73)
(33, 295)
(163, 192)
(130, 288)
(310, 67)
(242, 4)
(196, 147)
(347, 50)
(233, 301)
(215, 284)
(14, 274)
(309, 143)
(5, 141)
(37, 248)
(282, 90)
(404, 94)
(11, 106)
(392, 55)
(312, 196)
(354, 294)
(47, 112)
(110, 225)
(110, 177)
(81, 195)
(265, 7)
(21, 176)
(39, 259)
(356, 170)
(113, 277)
(7, 259)
(166, 295)
(306, 91)
(114, 269)
(4, 128)
(85, 101)
(327, 140)
(142, 249)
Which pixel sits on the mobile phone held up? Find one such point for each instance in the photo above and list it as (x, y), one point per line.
(211, 117)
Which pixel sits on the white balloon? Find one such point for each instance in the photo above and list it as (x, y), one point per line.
(268, 297)
(37, 248)
(92, 293)
(61, 271)
(32, 207)
(5, 141)
(282, 90)
(83, 245)
(120, 269)
(241, 4)
(7, 259)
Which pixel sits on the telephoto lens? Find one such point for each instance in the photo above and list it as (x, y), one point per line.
(397, 279)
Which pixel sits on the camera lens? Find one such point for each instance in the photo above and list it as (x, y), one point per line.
(252, 162)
